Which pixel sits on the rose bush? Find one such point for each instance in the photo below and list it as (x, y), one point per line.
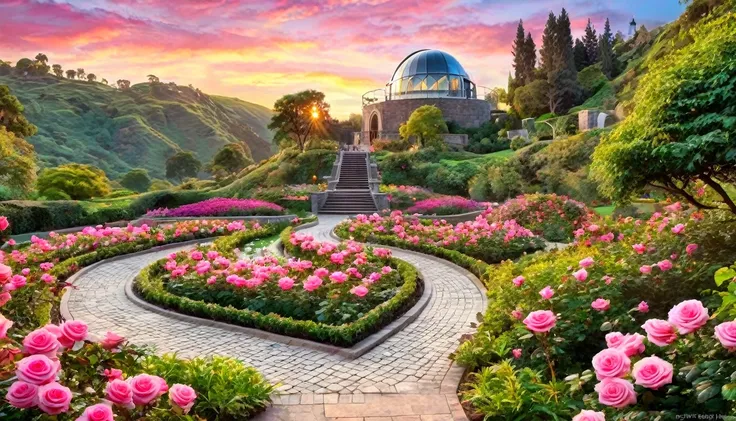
(220, 206)
(446, 205)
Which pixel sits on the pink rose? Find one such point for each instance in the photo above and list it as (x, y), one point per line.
(726, 334)
(145, 387)
(516, 353)
(197, 255)
(587, 262)
(360, 291)
(616, 392)
(338, 277)
(112, 341)
(4, 298)
(113, 374)
(99, 412)
(581, 275)
(639, 248)
(678, 229)
(643, 307)
(4, 224)
(5, 325)
(645, 269)
(652, 372)
(286, 283)
(119, 392)
(688, 316)
(74, 330)
(54, 398)
(5, 273)
(601, 305)
(588, 415)
(36, 369)
(547, 293)
(540, 321)
(690, 249)
(629, 344)
(611, 362)
(22, 395)
(182, 396)
(516, 314)
(660, 332)
(664, 265)
(312, 283)
(321, 272)
(518, 281)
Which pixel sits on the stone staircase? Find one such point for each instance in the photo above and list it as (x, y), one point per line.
(352, 194)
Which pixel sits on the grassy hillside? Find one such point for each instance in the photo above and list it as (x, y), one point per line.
(116, 130)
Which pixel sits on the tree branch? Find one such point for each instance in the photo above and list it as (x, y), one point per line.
(678, 191)
(720, 190)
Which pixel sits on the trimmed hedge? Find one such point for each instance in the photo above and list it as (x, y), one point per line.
(149, 286)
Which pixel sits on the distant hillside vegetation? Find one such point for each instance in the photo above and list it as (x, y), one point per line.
(116, 130)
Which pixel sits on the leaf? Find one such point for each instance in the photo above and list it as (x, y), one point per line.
(606, 326)
(708, 393)
(729, 391)
(724, 274)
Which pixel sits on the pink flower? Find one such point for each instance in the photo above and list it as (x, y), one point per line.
(4, 224)
(688, 316)
(645, 269)
(5, 325)
(54, 398)
(581, 275)
(690, 249)
(22, 395)
(196, 255)
(630, 344)
(41, 341)
(321, 272)
(312, 283)
(120, 393)
(145, 388)
(360, 291)
(516, 353)
(600, 304)
(664, 265)
(660, 332)
(652, 372)
(338, 277)
(5, 273)
(182, 396)
(337, 258)
(616, 392)
(113, 374)
(111, 341)
(607, 279)
(588, 415)
(36, 369)
(611, 362)
(386, 270)
(518, 281)
(726, 334)
(547, 293)
(4, 298)
(286, 283)
(639, 248)
(98, 412)
(47, 278)
(587, 262)
(678, 229)
(540, 321)
(643, 307)
(74, 330)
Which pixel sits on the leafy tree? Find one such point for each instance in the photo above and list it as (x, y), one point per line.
(579, 54)
(681, 134)
(11, 114)
(590, 41)
(182, 165)
(123, 84)
(152, 79)
(533, 99)
(78, 181)
(230, 159)
(297, 114)
(80, 73)
(5, 68)
(137, 180)
(42, 58)
(24, 65)
(71, 74)
(157, 185)
(17, 162)
(91, 77)
(356, 121)
(57, 70)
(426, 125)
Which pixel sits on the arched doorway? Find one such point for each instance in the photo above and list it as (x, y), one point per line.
(373, 133)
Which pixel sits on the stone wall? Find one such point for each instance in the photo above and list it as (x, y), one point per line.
(464, 112)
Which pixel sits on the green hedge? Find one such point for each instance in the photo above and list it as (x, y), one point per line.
(150, 287)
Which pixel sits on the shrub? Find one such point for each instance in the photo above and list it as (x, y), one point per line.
(532, 99)
(518, 142)
(400, 145)
(448, 205)
(218, 206)
(78, 181)
(137, 180)
(403, 197)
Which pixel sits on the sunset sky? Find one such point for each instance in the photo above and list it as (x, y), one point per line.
(260, 50)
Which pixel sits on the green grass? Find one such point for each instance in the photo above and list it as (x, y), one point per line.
(92, 123)
(605, 210)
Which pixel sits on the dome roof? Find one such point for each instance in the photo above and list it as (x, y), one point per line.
(424, 62)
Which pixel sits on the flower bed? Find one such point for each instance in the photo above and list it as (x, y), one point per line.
(219, 206)
(329, 293)
(553, 313)
(403, 197)
(548, 215)
(478, 239)
(295, 197)
(446, 205)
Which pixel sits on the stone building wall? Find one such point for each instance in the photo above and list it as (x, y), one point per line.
(465, 112)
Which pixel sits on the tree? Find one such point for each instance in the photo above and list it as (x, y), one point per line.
(71, 74)
(356, 121)
(182, 165)
(230, 159)
(561, 74)
(104, 81)
(78, 181)
(80, 73)
(547, 52)
(532, 100)
(57, 70)
(17, 162)
(24, 66)
(590, 40)
(579, 54)
(157, 185)
(519, 51)
(11, 114)
(297, 114)
(426, 125)
(91, 77)
(5, 68)
(511, 90)
(137, 180)
(530, 54)
(605, 51)
(123, 84)
(152, 79)
(680, 136)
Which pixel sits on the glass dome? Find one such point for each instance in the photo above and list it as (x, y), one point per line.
(430, 74)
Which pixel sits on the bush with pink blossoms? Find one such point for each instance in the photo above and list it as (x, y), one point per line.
(446, 205)
(220, 206)
(403, 197)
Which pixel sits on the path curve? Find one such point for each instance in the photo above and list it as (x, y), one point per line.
(413, 361)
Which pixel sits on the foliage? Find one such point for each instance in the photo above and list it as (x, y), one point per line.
(518, 142)
(137, 180)
(182, 165)
(403, 197)
(564, 90)
(297, 114)
(232, 158)
(17, 163)
(399, 145)
(525, 56)
(591, 80)
(294, 197)
(78, 181)
(484, 139)
(663, 143)
(157, 185)
(218, 206)
(446, 205)
(426, 125)
(11, 115)
(533, 99)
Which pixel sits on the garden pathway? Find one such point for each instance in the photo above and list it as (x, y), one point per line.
(407, 378)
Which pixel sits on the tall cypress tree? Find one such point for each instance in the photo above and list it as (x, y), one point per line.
(511, 89)
(605, 51)
(547, 52)
(519, 51)
(530, 53)
(581, 60)
(590, 40)
(563, 77)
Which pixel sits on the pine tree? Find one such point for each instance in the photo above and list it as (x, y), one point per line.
(562, 76)
(530, 57)
(579, 54)
(591, 45)
(511, 89)
(605, 51)
(547, 52)
(519, 52)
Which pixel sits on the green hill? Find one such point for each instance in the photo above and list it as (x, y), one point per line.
(93, 123)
